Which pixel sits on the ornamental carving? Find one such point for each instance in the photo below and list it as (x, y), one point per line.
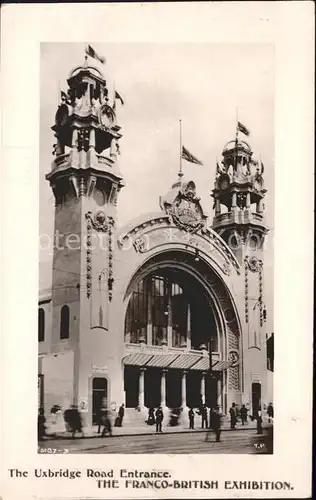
(233, 357)
(141, 244)
(186, 211)
(98, 221)
(253, 263)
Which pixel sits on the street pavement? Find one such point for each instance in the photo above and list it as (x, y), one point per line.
(232, 442)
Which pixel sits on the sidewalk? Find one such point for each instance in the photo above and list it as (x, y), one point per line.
(92, 432)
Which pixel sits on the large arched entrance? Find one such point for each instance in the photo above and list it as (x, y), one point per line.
(177, 310)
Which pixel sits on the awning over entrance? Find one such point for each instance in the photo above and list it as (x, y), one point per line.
(162, 360)
(175, 361)
(137, 359)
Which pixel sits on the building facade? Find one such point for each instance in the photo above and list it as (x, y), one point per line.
(168, 310)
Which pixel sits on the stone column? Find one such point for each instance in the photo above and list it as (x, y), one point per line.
(203, 387)
(74, 147)
(113, 148)
(163, 388)
(217, 207)
(184, 389)
(189, 327)
(234, 200)
(92, 139)
(92, 154)
(59, 149)
(248, 200)
(141, 388)
(259, 206)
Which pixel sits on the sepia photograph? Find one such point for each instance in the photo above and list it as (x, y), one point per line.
(157, 218)
(156, 248)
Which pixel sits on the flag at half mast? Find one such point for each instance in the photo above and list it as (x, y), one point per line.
(186, 155)
(92, 53)
(242, 128)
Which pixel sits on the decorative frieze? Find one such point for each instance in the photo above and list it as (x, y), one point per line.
(110, 257)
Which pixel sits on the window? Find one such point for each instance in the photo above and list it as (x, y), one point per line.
(41, 325)
(136, 318)
(64, 322)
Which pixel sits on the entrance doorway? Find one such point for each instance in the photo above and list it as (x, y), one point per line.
(194, 389)
(152, 385)
(131, 383)
(174, 382)
(256, 398)
(99, 396)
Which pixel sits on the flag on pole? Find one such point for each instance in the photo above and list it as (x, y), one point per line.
(241, 128)
(262, 167)
(92, 53)
(119, 97)
(186, 155)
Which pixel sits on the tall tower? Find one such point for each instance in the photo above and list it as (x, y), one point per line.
(85, 180)
(238, 199)
(239, 218)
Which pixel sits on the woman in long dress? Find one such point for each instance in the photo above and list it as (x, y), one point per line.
(56, 422)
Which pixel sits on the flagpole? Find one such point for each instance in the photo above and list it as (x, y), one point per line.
(236, 139)
(180, 174)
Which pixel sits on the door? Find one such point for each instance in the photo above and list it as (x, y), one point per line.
(256, 398)
(131, 384)
(99, 396)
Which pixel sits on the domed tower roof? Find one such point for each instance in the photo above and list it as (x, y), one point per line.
(231, 145)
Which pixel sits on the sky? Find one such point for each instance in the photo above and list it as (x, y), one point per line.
(204, 85)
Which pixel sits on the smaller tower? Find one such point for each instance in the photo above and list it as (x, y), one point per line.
(238, 199)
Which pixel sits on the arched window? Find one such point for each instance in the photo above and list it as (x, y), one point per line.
(164, 309)
(64, 322)
(41, 325)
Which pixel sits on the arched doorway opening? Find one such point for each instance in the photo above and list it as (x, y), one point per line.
(176, 307)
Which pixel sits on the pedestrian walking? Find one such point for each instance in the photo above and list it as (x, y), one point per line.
(204, 416)
(233, 416)
(41, 428)
(159, 419)
(270, 412)
(74, 420)
(191, 418)
(107, 424)
(151, 417)
(259, 422)
(121, 414)
(215, 424)
(243, 414)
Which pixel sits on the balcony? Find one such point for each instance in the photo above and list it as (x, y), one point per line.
(237, 217)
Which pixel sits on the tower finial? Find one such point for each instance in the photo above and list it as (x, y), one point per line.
(85, 64)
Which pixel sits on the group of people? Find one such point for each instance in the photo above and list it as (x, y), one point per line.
(71, 420)
(155, 417)
(213, 423)
(59, 422)
(242, 414)
(104, 420)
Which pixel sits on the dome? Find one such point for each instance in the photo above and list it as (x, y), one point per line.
(92, 69)
(232, 144)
